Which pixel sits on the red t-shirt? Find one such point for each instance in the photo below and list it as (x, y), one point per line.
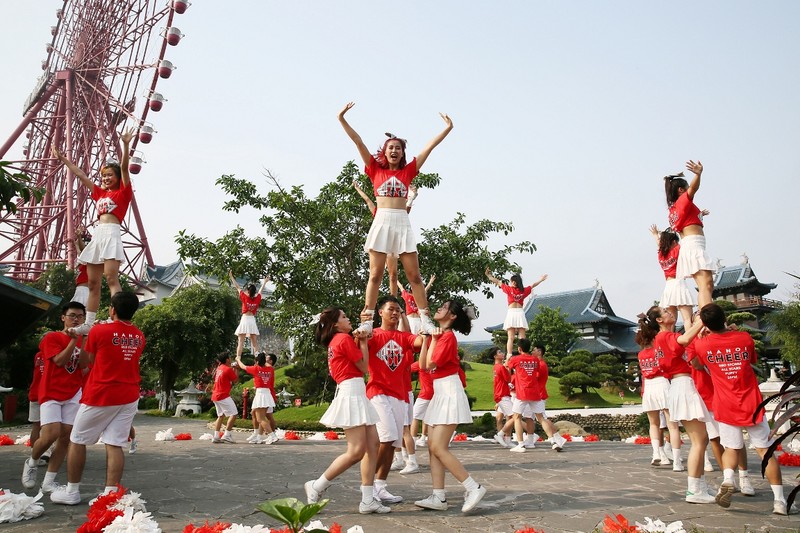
(83, 276)
(544, 375)
(224, 378)
(648, 364)
(59, 383)
(390, 355)
(343, 352)
(671, 355)
(249, 305)
(684, 213)
(501, 379)
(728, 357)
(391, 183)
(263, 376)
(445, 357)
(425, 381)
(526, 368)
(515, 295)
(114, 202)
(114, 379)
(38, 370)
(411, 304)
(669, 263)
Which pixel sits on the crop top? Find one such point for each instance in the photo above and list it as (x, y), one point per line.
(391, 183)
(114, 202)
(515, 295)
(684, 213)
(669, 264)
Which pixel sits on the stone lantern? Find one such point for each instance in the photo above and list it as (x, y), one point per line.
(190, 400)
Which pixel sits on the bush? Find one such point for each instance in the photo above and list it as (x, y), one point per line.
(148, 403)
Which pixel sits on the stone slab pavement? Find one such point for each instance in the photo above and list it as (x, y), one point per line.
(572, 491)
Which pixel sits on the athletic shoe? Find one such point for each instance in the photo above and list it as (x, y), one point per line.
(411, 468)
(65, 498)
(678, 467)
(228, 439)
(472, 498)
(746, 487)
(725, 494)
(558, 442)
(501, 439)
(83, 329)
(779, 507)
(432, 502)
(699, 497)
(665, 460)
(427, 325)
(530, 441)
(312, 496)
(252, 437)
(385, 496)
(272, 438)
(29, 473)
(397, 464)
(133, 447)
(519, 448)
(50, 487)
(421, 441)
(708, 467)
(365, 327)
(373, 507)
(216, 440)
(256, 440)
(655, 462)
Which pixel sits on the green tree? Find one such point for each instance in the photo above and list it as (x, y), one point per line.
(313, 251)
(786, 332)
(550, 327)
(15, 185)
(186, 331)
(581, 370)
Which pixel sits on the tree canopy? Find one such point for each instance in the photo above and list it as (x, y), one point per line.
(15, 185)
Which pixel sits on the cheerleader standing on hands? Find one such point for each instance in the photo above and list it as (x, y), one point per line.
(515, 322)
(676, 296)
(248, 327)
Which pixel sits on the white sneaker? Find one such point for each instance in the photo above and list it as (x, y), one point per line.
(421, 441)
(501, 439)
(558, 442)
(373, 507)
(312, 496)
(365, 327)
(133, 446)
(252, 437)
(256, 440)
(700, 497)
(228, 439)
(677, 466)
(272, 438)
(29, 473)
(519, 448)
(83, 329)
(530, 441)
(397, 464)
(216, 440)
(385, 496)
(665, 460)
(708, 467)
(746, 487)
(472, 498)
(426, 323)
(432, 502)
(724, 495)
(50, 487)
(779, 507)
(411, 468)
(65, 498)
(655, 462)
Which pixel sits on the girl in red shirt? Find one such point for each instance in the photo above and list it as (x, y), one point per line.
(685, 219)
(515, 322)
(349, 410)
(449, 406)
(248, 327)
(676, 296)
(391, 232)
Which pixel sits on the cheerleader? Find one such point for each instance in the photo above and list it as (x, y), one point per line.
(247, 325)
(676, 296)
(412, 311)
(349, 410)
(263, 382)
(515, 322)
(449, 406)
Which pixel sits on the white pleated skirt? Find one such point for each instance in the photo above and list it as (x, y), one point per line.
(449, 404)
(684, 402)
(676, 292)
(656, 392)
(391, 233)
(263, 399)
(247, 326)
(693, 257)
(106, 244)
(515, 318)
(350, 407)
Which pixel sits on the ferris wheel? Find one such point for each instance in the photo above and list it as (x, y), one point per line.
(103, 64)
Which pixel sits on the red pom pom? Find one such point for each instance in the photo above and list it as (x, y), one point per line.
(5, 440)
(642, 440)
(460, 437)
(291, 435)
(183, 436)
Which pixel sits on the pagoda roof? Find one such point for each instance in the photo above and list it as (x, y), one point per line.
(739, 278)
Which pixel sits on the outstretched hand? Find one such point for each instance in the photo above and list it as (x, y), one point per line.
(346, 108)
(696, 167)
(654, 230)
(54, 151)
(447, 119)
(127, 135)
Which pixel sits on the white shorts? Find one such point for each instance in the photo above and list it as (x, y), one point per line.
(449, 404)
(684, 402)
(656, 392)
(410, 409)
(693, 257)
(527, 408)
(515, 318)
(263, 399)
(391, 233)
(731, 436)
(391, 417)
(414, 324)
(712, 426)
(676, 292)
(33, 412)
(420, 407)
(81, 294)
(505, 406)
(112, 421)
(350, 407)
(62, 412)
(226, 407)
(106, 244)
(247, 326)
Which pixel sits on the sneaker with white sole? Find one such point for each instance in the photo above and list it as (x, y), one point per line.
(433, 503)
(558, 442)
(272, 438)
(227, 439)
(83, 329)
(472, 498)
(655, 462)
(312, 495)
(678, 467)
(699, 497)
(252, 437)
(133, 446)
(500, 438)
(29, 473)
(745, 487)
(421, 442)
(50, 487)
(365, 327)
(65, 498)
(397, 464)
(779, 507)
(519, 448)
(426, 324)
(373, 507)
(530, 441)
(725, 494)
(411, 468)
(385, 496)
(665, 460)
(708, 467)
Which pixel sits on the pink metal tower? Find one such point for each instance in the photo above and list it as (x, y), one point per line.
(100, 75)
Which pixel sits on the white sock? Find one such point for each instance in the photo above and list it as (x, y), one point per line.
(321, 483)
(109, 489)
(441, 494)
(470, 484)
(656, 444)
(727, 475)
(73, 487)
(404, 453)
(676, 455)
(777, 491)
(49, 477)
(398, 457)
(367, 493)
(380, 484)
(694, 485)
(30, 461)
(743, 473)
(256, 432)
(90, 317)
(412, 459)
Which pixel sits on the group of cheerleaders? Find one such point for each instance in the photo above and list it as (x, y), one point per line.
(676, 387)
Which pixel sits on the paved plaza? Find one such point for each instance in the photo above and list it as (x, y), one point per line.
(194, 481)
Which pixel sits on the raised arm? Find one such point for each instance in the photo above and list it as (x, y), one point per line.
(263, 284)
(656, 234)
(492, 278)
(233, 280)
(423, 155)
(355, 137)
(72, 167)
(363, 363)
(689, 335)
(363, 195)
(125, 161)
(697, 169)
(544, 277)
(428, 286)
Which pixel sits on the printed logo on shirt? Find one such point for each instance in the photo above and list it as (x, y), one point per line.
(72, 364)
(673, 219)
(105, 205)
(391, 354)
(529, 367)
(392, 187)
(128, 344)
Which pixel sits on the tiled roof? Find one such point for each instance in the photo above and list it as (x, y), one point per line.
(740, 276)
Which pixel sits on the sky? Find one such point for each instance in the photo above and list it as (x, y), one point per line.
(566, 117)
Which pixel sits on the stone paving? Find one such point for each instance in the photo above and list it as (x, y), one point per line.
(193, 481)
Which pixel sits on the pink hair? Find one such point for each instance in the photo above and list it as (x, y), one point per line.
(380, 156)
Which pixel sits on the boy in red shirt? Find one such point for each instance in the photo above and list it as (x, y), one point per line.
(502, 396)
(729, 356)
(110, 398)
(224, 378)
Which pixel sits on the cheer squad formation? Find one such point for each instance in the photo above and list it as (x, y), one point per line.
(86, 380)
